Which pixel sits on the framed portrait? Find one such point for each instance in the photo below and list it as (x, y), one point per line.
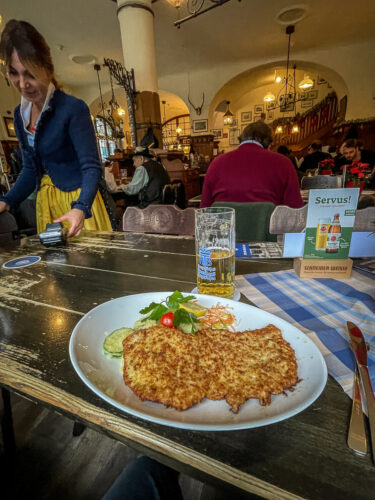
(257, 117)
(312, 94)
(217, 133)
(271, 105)
(200, 125)
(258, 108)
(301, 96)
(246, 116)
(270, 115)
(9, 125)
(234, 137)
(306, 104)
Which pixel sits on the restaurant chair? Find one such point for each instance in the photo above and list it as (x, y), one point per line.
(160, 219)
(288, 220)
(320, 182)
(252, 220)
(8, 228)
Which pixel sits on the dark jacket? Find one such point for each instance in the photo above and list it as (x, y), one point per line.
(65, 148)
(158, 177)
(312, 160)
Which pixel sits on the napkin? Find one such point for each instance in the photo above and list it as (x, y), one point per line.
(320, 308)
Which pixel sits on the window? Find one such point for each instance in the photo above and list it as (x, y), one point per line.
(171, 138)
(104, 133)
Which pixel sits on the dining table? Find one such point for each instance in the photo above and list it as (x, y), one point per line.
(304, 456)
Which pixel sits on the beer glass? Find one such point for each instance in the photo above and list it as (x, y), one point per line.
(215, 251)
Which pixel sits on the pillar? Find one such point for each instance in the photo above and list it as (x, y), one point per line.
(136, 19)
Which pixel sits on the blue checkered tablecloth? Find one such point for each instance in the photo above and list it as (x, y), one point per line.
(320, 308)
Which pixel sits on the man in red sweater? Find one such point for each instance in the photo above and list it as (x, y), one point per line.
(252, 173)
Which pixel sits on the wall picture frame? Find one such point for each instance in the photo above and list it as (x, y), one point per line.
(217, 133)
(312, 94)
(257, 117)
(286, 108)
(270, 115)
(258, 108)
(307, 104)
(234, 137)
(246, 116)
(271, 105)
(200, 125)
(320, 80)
(9, 126)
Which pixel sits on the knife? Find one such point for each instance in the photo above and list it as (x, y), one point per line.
(357, 434)
(358, 345)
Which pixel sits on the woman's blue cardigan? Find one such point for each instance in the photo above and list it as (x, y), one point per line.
(65, 148)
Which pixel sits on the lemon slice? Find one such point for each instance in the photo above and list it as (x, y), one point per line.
(194, 308)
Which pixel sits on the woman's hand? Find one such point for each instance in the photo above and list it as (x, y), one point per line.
(76, 218)
(4, 207)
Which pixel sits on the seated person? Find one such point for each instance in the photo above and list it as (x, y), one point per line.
(149, 179)
(314, 156)
(252, 173)
(352, 152)
(110, 178)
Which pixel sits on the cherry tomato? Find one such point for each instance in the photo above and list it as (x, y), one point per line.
(167, 320)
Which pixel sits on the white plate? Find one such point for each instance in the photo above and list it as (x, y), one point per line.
(103, 375)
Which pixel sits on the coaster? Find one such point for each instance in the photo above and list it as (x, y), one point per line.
(21, 262)
(237, 294)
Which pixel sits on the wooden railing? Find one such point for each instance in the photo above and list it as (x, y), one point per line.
(311, 125)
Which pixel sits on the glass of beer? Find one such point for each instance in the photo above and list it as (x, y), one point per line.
(215, 251)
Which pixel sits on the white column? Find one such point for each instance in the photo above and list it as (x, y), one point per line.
(136, 20)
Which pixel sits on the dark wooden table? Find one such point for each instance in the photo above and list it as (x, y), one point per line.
(304, 456)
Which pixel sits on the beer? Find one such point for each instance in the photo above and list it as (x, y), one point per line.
(333, 237)
(217, 276)
(321, 234)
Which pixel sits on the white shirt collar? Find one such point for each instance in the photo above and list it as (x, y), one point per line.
(250, 141)
(25, 108)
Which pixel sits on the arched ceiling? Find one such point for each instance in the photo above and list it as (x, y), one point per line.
(234, 32)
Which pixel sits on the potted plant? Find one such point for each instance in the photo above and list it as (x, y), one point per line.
(326, 166)
(356, 174)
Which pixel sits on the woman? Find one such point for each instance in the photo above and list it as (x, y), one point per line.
(56, 136)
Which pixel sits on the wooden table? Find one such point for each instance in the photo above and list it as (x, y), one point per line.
(304, 456)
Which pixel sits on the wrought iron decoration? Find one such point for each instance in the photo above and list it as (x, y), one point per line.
(126, 80)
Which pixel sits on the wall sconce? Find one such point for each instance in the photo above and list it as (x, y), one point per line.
(279, 129)
(295, 129)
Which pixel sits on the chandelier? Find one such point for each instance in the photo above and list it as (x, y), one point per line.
(287, 96)
(228, 116)
(194, 8)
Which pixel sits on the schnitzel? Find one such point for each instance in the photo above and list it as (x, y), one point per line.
(167, 366)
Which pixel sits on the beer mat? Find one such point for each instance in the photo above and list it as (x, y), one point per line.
(237, 294)
(267, 250)
(320, 307)
(21, 262)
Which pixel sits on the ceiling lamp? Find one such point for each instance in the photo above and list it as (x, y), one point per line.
(278, 79)
(178, 130)
(121, 112)
(279, 129)
(269, 97)
(175, 3)
(228, 115)
(306, 83)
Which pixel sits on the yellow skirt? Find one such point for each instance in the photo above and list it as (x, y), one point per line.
(52, 203)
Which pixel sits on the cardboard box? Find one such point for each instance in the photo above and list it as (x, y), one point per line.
(323, 268)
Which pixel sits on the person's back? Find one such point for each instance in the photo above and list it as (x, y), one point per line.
(252, 174)
(153, 191)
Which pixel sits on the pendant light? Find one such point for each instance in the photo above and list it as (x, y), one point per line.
(228, 116)
(306, 83)
(269, 97)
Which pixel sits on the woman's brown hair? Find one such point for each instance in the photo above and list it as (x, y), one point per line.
(31, 47)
